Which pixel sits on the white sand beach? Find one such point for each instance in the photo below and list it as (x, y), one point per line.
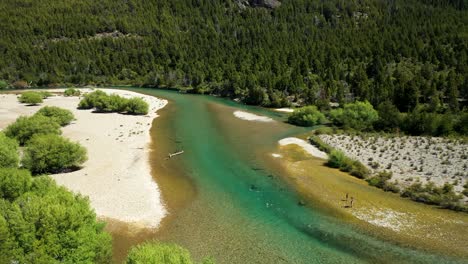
(284, 110)
(116, 177)
(251, 117)
(312, 150)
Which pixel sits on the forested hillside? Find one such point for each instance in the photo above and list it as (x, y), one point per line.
(309, 51)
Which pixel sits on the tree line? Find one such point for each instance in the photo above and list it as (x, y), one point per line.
(307, 52)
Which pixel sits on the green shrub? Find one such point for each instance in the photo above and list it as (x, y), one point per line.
(52, 154)
(89, 100)
(357, 169)
(45, 94)
(381, 180)
(71, 92)
(25, 127)
(102, 102)
(337, 159)
(13, 183)
(153, 252)
(358, 115)
(307, 116)
(9, 157)
(110, 103)
(316, 141)
(389, 117)
(137, 106)
(48, 224)
(3, 84)
(430, 194)
(32, 98)
(59, 115)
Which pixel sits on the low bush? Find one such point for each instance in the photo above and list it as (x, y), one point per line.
(316, 141)
(9, 157)
(89, 101)
(32, 98)
(337, 159)
(307, 116)
(137, 106)
(381, 180)
(102, 102)
(71, 92)
(25, 127)
(154, 252)
(59, 115)
(430, 194)
(45, 94)
(52, 154)
(13, 183)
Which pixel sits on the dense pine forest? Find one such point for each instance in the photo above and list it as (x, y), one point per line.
(268, 53)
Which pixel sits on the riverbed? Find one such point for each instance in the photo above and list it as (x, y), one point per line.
(227, 197)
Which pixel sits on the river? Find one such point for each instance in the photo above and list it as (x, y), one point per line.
(228, 198)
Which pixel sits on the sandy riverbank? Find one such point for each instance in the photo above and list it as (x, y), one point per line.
(116, 177)
(251, 117)
(312, 150)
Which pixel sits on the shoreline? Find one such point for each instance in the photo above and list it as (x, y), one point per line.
(307, 147)
(380, 214)
(251, 117)
(117, 177)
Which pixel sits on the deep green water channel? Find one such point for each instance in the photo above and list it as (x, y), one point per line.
(242, 212)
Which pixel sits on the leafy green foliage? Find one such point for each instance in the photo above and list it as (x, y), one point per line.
(13, 183)
(443, 196)
(137, 106)
(32, 98)
(90, 100)
(155, 252)
(43, 223)
(59, 115)
(9, 157)
(25, 127)
(52, 153)
(3, 84)
(158, 253)
(306, 116)
(45, 94)
(71, 92)
(422, 122)
(359, 116)
(337, 159)
(390, 118)
(330, 50)
(381, 180)
(103, 102)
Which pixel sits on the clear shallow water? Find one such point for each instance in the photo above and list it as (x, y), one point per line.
(236, 208)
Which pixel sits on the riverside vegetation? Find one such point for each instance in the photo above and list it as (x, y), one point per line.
(41, 222)
(443, 196)
(306, 52)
